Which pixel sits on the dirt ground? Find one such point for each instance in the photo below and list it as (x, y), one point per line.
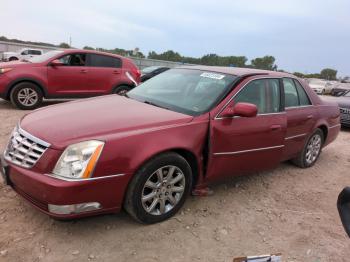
(288, 210)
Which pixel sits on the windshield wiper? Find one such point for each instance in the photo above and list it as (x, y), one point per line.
(153, 104)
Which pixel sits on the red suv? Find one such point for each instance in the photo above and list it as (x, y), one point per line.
(66, 74)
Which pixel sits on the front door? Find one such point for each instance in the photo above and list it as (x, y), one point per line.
(70, 78)
(240, 144)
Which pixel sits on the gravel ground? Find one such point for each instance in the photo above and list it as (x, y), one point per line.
(287, 210)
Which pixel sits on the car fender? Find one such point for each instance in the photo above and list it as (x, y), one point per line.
(126, 152)
(25, 79)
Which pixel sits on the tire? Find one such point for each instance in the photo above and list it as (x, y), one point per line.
(13, 59)
(121, 90)
(305, 160)
(150, 210)
(26, 96)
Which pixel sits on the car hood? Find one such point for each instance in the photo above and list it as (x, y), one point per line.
(96, 118)
(14, 64)
(316, 85)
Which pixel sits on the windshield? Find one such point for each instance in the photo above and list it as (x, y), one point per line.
(187, 91)
(44, 57)
(149, 69)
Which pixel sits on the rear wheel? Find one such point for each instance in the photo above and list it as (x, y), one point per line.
(311, 150)
(121, 90)
(13, 58)
(159, 189)
(26, 96)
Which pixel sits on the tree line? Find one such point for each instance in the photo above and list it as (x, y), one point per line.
(265, 62)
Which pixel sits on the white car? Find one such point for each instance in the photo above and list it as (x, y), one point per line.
(22, 54)
(320, 86)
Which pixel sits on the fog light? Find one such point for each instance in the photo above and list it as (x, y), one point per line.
(74, 209)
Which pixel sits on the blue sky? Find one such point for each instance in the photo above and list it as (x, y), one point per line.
(303, 35)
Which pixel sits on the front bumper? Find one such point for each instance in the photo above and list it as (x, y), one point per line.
(42, 190)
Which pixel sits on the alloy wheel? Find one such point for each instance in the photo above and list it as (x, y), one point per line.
(27, 96)
(163, 190)
(313, 148)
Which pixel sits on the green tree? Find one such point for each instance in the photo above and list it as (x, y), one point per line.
(88, 48)
(329, 74)
(266, 62)
(298, 74)
(64, 45)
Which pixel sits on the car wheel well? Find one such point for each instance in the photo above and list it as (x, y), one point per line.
(126, 85)
(24, 81)
(187, 155)
(324, 130)
(192, 161)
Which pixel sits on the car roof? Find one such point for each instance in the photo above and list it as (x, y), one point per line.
(68, 51)
(238, 71)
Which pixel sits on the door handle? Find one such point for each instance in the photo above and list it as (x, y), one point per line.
(276, 127)
(116, 72)
(83, 71)
(310, 117)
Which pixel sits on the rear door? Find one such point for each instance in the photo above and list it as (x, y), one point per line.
(240, 144)
(69, 79)
(301, 117)
(105, 73)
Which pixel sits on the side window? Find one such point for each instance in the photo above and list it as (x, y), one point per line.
(303, 98)
(73, 60)
(34, 52)
(290, 93)
(25, 52)
(264, 93)
(104, 61)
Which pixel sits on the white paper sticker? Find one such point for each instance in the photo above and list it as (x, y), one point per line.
(212, 75)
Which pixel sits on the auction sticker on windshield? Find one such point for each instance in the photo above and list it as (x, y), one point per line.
(212, 75)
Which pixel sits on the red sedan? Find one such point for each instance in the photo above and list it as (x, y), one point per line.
(176, 133)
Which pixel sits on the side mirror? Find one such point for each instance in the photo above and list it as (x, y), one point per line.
(240, 109)
(56, 62)
(344, 208)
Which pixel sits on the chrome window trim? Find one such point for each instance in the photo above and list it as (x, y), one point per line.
(296, 136)
(265, 114)
(229, 101)
(33, 138)
(296, 107)
(248, 151)
(82, 179)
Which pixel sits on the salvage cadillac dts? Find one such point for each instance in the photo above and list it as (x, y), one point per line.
(172, 135)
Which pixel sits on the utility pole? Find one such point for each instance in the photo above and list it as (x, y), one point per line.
(70, 41)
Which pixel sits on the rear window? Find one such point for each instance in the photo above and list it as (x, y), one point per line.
(104, 61)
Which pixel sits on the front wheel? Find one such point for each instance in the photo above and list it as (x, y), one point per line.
(159, 189)
(26, 96)
(311, 151)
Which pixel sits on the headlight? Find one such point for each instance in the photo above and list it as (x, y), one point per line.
(78, 161)
(4, 70)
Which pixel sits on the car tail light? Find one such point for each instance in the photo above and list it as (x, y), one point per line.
(137, 74)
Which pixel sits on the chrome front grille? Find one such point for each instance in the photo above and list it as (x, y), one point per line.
(24, 149)
(345, 111)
